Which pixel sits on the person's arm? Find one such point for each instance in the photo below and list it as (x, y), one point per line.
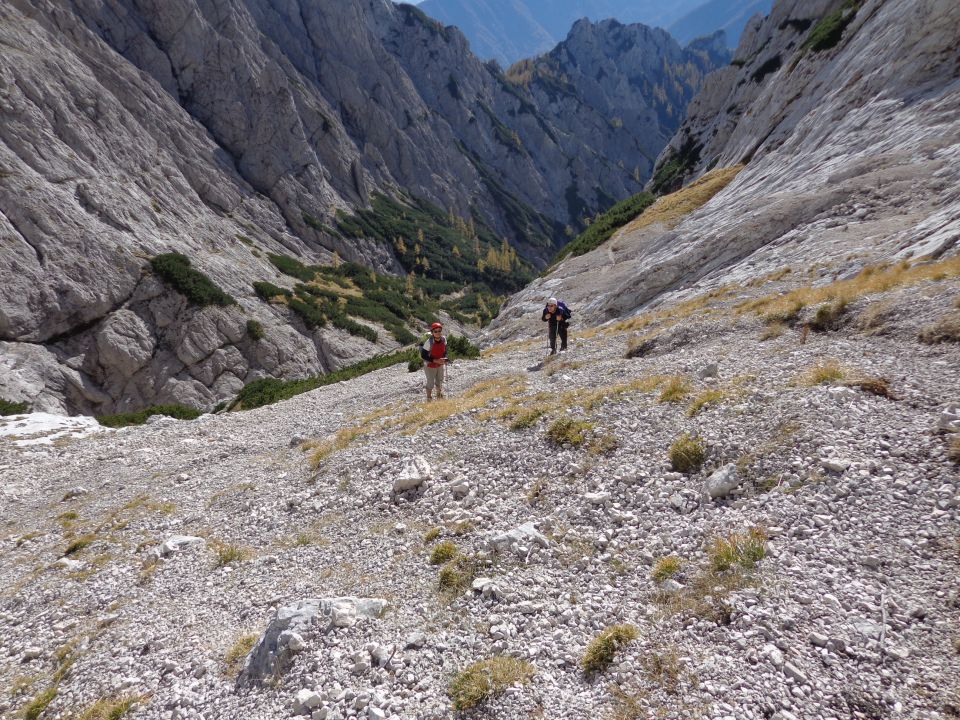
(424, 353)
(546, 315)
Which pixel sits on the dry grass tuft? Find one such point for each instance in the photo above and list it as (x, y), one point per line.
(829, 316)
(602, 650)
(457, 575)
(443, 552)
(432, 534)
(527, 418)
(773, 330)
(627, 705)
(325, 448)
(485, 679)
(946, 329)
(824, 373)
(567, 431)
(873, 318)
(112, 708)
(228, 553)
(953, 451)
(676, 389)
(687, 454)
(82, 542)
(670, 209)
(666, 568)
(236, 656)
(738, 549)
(785, 307)
(34, 709)
(664, 668)
(705, 399)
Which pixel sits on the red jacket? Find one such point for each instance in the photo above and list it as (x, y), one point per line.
(433, 350)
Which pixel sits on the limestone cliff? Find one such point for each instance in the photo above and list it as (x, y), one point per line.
(846, 118)
(231, 130)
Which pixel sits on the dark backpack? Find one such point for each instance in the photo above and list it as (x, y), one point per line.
(564, 310)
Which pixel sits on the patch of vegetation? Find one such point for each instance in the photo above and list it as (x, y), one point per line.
(228, 553)
(269, 292)
(823, 373)
(80, 543)
(671, 209)
(567, 431)
(255, 330)
(705, 399)
(13, 408)
(829, 30)
(605, 225)
(457, 575)
(676, 389)
(669, 175)
(829, 316)
(786, 307)
(443, 552)
(953, 451)
(485, 679)
(603, 649)
(267, 391)
(773, 330)
(875, 386)
(738, 549)
(33, 709)
(438, 245)
(687, 454)
(666, 568)
(527, 418)
(179, 412)
(946, 329)
(640, 346)
(665, 669)
(237, 654)
(200, 290)
(432, 534)
(110, 708)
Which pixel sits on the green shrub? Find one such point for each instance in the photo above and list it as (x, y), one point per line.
(443, 552)
(605, 225)
(255, 330)
(669, 175)
(415, 364)
(175, 269)
(179, 412)
(267, 391)
(687, 454)
(268, 291)
(13, 408)
(601, 652)
(485, 679)
(459, 346)
(292, 267)
(828, 32)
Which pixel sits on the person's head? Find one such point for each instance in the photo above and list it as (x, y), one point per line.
(551, 303)
(436, 329)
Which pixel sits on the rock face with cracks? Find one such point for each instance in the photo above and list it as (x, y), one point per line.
(231, 130)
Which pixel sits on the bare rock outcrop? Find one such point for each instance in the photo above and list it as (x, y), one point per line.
(227, 131)
(851, 151)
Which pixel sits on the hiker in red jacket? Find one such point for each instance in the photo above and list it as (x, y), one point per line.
(558, 315)
(434, 354)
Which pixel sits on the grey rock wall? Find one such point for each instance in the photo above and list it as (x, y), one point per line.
(227, 130)
(852, 158)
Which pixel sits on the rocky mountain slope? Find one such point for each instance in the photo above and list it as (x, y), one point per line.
(510, 30)
(731, 16)
(845, 126)
(232, 131)
(798, 559)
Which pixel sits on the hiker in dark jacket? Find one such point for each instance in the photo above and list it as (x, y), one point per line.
(558, 315)
(434, 354)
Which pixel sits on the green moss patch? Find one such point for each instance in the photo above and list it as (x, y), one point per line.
(180, 412)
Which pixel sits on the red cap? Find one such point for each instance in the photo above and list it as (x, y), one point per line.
(436, 326)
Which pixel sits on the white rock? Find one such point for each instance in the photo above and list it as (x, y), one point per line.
(415, 472)
(179, 542)
(721, 482)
